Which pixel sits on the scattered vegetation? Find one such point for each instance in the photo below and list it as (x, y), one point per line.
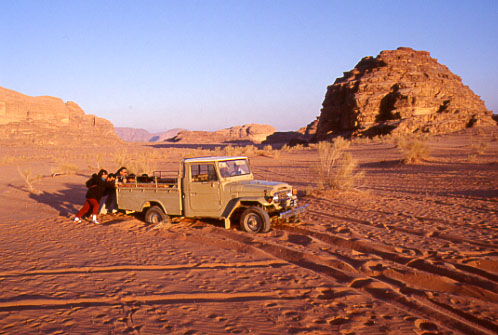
(139, 163)
(95, 161)
(337, 168)
(413, 147)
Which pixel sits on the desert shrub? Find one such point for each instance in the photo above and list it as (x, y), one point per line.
(337, 168)
(480, 147)
(249, 150)
(285, 148)
(472, 158)
(413, 148)
(231, 150)
(29, 180)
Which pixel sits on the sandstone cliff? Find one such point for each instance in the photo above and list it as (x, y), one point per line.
(399, 91)
(48, 120)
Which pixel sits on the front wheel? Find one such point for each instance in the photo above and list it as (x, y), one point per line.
(156, 215)
(255, 220)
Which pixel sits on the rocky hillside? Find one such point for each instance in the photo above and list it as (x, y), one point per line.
(400, 91)
(254, 133)
(48, 120)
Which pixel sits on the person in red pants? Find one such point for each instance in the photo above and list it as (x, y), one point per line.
(96, 187)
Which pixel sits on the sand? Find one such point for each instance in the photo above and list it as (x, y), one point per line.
(414, 250)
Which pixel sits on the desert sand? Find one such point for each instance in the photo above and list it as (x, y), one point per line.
(414, 250)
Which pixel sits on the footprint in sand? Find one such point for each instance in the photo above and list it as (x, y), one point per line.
(425, 325)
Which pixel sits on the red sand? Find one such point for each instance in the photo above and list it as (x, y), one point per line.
(414, 251)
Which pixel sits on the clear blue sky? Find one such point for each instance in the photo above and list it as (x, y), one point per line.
(208, 65)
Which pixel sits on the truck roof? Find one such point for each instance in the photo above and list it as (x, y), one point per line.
(213, 159)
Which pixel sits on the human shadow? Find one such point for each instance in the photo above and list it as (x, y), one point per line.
(66, 201)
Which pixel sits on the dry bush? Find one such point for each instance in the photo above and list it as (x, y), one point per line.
(414, 148)
(337, 168)
(29, 180)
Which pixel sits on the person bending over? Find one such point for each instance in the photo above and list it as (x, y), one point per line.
(96, 187)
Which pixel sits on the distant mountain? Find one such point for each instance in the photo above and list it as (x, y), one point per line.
(142, 135)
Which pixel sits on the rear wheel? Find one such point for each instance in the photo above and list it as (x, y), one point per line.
(156, 215)
(255, 220)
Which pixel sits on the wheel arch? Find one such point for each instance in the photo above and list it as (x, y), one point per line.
(236, 205)
(150, 203)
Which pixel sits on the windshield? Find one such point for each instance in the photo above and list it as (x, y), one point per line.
(233, 168)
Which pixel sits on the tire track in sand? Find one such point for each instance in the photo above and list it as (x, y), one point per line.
(381, 287)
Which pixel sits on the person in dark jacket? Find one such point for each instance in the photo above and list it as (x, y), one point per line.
(96, 187)
(108, 201)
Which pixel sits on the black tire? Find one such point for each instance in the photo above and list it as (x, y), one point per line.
(156, 215)
(255, 220)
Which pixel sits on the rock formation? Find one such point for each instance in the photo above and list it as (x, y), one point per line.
(255, 133)
(251, 133)
(48, 120)
(399, 91)
(142, 135)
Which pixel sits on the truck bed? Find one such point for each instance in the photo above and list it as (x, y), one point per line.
(161, 191)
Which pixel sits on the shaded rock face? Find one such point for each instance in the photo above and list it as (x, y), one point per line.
(399, 91)
(311, 129)
(48, 120)
(251, 133)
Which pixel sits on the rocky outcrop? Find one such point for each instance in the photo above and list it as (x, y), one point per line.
(48, 120)
(251, 133)
(311, 129)
(399, 91)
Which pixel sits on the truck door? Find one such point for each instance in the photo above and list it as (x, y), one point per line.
(202, 193)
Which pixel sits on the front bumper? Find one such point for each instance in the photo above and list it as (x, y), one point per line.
(293, 212)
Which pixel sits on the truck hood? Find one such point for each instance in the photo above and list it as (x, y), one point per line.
(258, 186)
